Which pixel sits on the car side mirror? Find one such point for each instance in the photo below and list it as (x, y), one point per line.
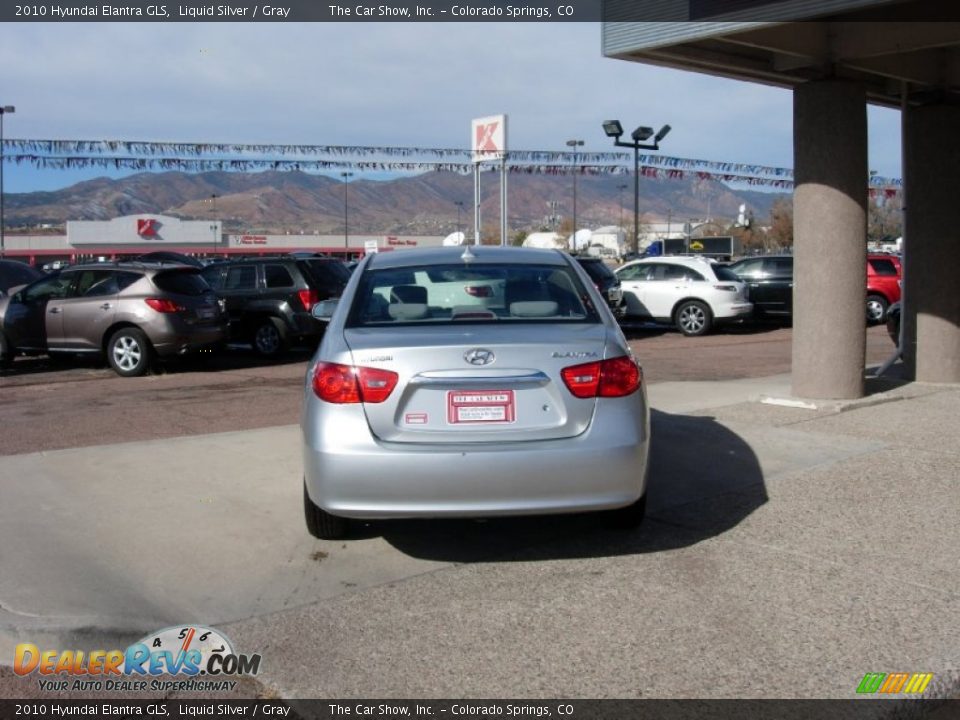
(323, 310)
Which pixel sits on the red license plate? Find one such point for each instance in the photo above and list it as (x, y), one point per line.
(481, 406)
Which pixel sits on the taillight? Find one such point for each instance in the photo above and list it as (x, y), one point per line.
(308, 298)
(163, 305)
(344, 384)
(479, 290)
(615, 377)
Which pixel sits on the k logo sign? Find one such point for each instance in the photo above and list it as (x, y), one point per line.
(489, 140)
(147, 227)
(485, 135)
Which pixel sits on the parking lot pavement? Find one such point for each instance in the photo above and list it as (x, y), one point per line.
(787, 552)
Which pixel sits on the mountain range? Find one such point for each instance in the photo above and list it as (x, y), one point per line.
(427, 204)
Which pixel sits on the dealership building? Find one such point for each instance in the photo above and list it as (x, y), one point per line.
(137, 234)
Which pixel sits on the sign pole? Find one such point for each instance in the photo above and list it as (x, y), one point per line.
(489, 142)
(503, 200)
(476, 203)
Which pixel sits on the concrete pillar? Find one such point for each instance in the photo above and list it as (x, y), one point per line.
(932, 243)
(829, 239)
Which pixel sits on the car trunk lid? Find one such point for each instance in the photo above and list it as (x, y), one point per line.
(495, 384)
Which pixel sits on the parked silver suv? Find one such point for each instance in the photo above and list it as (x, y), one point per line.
(131, 312)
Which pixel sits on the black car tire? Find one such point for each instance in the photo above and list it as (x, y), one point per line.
(6, 352)
(321, 524)
(630, 516)
(129, 352)
(269, 338)
(693, 318)
(876, 309)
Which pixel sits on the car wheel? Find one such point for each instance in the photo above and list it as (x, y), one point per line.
(6, 352)
(693, 318)
(129, 352)
(632, 515)
(320, 523)
(269, 338)
(876, 309)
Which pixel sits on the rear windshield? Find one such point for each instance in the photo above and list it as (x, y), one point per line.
(598, 270)
(883, 267)
(725, 273)
(327, 272)
(470, 294)
(181, 282)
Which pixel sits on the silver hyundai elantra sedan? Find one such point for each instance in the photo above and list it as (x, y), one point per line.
(471, 382)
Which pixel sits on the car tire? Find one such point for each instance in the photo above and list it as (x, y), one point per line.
(321, 524)
(269, 338)
(876, 309)
(129, 352)
(693, 318)
(632, 515)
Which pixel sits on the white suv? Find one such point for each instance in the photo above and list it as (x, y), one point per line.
(693, 293)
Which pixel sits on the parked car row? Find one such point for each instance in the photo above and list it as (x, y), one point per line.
(136, 311)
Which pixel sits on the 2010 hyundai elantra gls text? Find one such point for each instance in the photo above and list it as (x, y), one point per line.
(471, 382)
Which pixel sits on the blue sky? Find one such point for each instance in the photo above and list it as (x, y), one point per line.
(375, 84)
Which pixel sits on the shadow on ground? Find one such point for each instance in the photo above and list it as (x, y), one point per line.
(704, 479)
(637, 330)
(233, 358)
(67, 366)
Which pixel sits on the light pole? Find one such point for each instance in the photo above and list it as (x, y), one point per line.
(213, 224)
(621, 188)
(4, 109)
(459, 204)
(574, 144)
(346, 217)
(614, 129)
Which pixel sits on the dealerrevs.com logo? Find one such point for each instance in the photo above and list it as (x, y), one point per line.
(203, 659)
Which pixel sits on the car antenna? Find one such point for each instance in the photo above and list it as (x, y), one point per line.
(468, 257)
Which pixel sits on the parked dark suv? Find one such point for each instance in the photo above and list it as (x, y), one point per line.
(131, 312)
(269, 299)
(769, 281)
(607, 283)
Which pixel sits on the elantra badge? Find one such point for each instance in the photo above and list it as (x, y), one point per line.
(574, 354)
(479, 356)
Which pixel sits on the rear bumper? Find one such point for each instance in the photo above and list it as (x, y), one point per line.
(179, 339)
(734, 312)
(351, 474)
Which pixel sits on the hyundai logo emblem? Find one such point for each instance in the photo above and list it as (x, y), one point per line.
(479, 356)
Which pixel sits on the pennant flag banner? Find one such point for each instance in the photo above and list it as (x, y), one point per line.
(200, 157)
(153, 149)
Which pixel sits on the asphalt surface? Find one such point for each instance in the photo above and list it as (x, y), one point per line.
(51, 404)
(786, 553)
